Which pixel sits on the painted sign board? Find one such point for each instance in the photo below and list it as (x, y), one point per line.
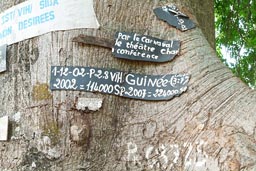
(120, 83)
(133, 46)
(2, 58)
(172, 15)
(4, 128)
(36, 17)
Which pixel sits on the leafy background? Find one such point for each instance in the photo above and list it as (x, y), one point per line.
(235, 24)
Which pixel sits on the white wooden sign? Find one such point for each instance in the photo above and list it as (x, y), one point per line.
(36, 17)
(3, 58)
(4, 128)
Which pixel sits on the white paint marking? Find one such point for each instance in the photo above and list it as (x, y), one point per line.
(92, 104)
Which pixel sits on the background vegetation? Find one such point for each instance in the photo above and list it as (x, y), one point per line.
(236, 37)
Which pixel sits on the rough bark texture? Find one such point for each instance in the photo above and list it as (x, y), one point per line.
(210, 127)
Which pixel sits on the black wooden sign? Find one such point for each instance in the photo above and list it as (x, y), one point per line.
(144, 48)
(172, 15)
(3, 58)
(120, 83)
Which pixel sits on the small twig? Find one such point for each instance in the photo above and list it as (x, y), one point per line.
(91, 40)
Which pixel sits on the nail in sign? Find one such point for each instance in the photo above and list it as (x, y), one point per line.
(133, 46)
(2, 58)
(172, 15)
(120, 83)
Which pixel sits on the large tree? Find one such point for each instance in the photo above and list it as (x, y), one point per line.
(210, 127)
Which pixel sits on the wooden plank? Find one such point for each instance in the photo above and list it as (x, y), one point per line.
(4, 128)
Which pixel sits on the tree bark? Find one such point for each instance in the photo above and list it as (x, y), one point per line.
(210, 127)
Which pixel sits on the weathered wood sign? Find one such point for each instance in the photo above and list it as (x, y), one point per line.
(3, 58)
(172, 15)
(4, 128)
(133, 46)
(120, 83)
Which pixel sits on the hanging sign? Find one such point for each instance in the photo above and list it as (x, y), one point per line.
(144, 48)
(4, 128)
(3, 58)
(36, 17)
(120, 83)
(172, 15)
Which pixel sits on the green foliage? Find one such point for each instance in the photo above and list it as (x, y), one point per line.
(236, 30)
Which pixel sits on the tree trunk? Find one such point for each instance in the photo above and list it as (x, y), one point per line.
(210, 127)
